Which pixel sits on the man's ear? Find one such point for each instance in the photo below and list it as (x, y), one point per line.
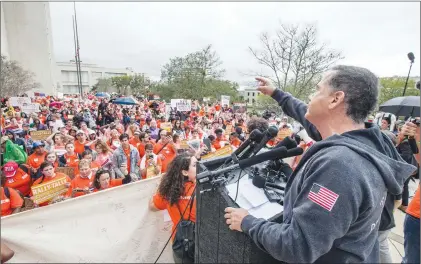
(337, 99)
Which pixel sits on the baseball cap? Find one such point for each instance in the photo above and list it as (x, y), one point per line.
(10, 168)
(37, 144)
(137, 132)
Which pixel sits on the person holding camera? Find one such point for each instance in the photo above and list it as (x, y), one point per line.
(335, 197)
(150, 164)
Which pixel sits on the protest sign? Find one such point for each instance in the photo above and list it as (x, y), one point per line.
(184, 144)
(166, 126)
(228, 129)
(240, 108)
(150, 172)
(40, 135)
(69, 171)
(225, 100)
(183, 105)
(174, 102)
(206, 99)
(220, 152)
(283, 133)
(47, 191)
(30, 108)
(19, 101)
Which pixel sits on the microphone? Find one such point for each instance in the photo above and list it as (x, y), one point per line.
(287, 142)
(245, 163)
(244, 149)
(411, 57)
(270, 133)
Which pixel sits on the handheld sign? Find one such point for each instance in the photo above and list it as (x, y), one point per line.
(47, 191)
(220, 152)
(69, 171)
(40, 135)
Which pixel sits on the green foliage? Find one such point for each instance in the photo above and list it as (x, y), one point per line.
(195, 76)
(14, 80)
(103, 85)
(264, 102)
(391, 87)
(121, 83)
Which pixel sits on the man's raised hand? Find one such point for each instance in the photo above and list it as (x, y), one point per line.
(265, 86)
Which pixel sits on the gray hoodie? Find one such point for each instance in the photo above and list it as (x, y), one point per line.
(335, 197)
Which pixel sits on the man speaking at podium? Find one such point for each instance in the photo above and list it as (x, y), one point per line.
(334, 199)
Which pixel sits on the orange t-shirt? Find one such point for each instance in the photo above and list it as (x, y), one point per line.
(414, 206)
(47, 179)
(127, 153)
(72, 161)
(113, 183)
(235, 142)
(79, 147)
(21, 182)
(9, 204)
(182, 203)
(166, 155)
(35, 160)
(95, 167)
(216, 144)
(134, 142)
(81, 183)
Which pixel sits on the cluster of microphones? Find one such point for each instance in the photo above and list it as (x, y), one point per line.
(271, 177)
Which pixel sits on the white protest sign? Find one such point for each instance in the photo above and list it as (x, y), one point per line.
(174, 102)
(19, 101)
(30, 108)
(225, 100)
(183, 105)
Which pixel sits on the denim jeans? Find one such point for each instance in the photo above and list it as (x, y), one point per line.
(411, 230)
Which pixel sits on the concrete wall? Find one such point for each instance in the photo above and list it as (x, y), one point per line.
(29, 40)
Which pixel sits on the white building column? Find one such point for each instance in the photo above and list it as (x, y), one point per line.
(28, 40)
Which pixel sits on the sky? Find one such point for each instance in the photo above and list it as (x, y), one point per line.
(145, 35)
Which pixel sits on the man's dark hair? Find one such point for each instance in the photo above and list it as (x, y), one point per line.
(218, 131)
(86, 153)
(123, 136)
(257, 123)
(361, 88)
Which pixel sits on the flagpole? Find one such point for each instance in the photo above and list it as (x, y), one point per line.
(75, 43)
(78, 52)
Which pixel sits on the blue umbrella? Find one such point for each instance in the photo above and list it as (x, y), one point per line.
(125, 101)
(101, 94)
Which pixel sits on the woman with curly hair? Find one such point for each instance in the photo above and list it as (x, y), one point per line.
(175, 192)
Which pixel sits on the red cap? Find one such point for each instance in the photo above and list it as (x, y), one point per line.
(10, 168)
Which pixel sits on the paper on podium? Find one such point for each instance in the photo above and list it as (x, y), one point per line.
(253, 199)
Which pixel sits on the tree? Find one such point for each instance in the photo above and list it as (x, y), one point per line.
(194, 76)
(139, 84)
(295, 58)
(267, 102)
(391, 87)
(14, 80)
(103, 85)
(121, 83)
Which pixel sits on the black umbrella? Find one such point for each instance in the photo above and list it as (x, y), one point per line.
(402, 106)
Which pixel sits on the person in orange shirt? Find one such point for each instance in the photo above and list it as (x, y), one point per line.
(83, 182)
(219, 141)
(103, 180)
(150, 160)
(234, 141)
(165, 149)
(87, 154)
(411, 230)
(11, 201)
(175, 193)
(81, 144)
(135, 140)
(16, 178)
(49, 174)
(35, 159)
(71, 158)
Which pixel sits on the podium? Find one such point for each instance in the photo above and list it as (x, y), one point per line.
(215, 242)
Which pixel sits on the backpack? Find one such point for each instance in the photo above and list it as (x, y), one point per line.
(183, 245)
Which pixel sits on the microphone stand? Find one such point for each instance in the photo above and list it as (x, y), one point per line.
(407, 78)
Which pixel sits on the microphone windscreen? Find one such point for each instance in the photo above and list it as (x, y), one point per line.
(272, 131)
(287, 142)
(411, 56)
(259, 181)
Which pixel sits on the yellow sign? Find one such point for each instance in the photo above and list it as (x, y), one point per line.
(47, 191)
(228, 129)
(150, 172)
(184, 144)
(166, 126)
(220, 152)
(69, 171)
(40, 135)
(283, 133)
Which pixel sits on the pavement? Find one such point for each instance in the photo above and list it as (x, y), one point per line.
(396, 236)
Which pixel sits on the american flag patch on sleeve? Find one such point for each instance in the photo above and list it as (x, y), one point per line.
(323, 196)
